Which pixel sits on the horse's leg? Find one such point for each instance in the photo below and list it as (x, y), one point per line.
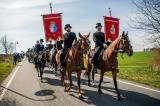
(114, 75)
(56, 70)
(70, 79)
(78, 83)
(62, 78)
(68, 86)
(89, 77)
(89, 84)
(100, 82)
(40, 69)
(37, 67)
(93, 77)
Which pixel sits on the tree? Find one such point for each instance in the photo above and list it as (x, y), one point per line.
(11, 47)
(7, 46)
(148, 19)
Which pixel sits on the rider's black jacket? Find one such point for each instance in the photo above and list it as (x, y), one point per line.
(99, 39)
(69, 37)
(39, 47)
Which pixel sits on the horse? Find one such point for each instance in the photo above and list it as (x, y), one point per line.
(74, 62)
(30, 55)
(56, 60)
(108, 60)
(40, 61)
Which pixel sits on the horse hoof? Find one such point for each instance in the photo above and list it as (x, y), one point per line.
(71, 84)
(100, 91)
(80, 96)
(120, 97)
(66, 89)
(94, 85)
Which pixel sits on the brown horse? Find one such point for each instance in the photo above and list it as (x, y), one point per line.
(56, 60)
(108, 60)
(74, 61)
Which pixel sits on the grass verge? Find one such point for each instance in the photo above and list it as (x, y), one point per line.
(5, 68)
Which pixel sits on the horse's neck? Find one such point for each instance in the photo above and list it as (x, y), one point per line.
(112, 49)
(76, 51)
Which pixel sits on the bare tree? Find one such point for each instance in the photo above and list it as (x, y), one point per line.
(148, 19)
(7, 46)
(11, 47)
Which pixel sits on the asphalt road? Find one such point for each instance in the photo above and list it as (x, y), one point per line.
(26, 89)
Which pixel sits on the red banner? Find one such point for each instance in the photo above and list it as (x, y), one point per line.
(111, 28)
(52, 26)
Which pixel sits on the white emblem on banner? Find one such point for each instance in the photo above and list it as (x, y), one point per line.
(112, 30)
(53, 27)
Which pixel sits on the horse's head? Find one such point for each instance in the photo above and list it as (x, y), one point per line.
(85, 43)
(125, 44)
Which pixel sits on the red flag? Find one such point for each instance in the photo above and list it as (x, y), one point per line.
(111, 28)
(52, 26)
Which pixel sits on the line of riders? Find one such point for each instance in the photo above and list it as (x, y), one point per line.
(70, 57)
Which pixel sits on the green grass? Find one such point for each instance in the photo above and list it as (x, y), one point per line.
(5, 68)
(138, 68)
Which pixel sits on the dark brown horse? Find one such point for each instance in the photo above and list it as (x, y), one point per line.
(74, 61)
(40, 62)
(108, 60)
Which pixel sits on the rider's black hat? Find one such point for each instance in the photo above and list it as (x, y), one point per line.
(67, 25)
(41, 40)
(98, 24)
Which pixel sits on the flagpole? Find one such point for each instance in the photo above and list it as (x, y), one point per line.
(110, 12)
(50, 5)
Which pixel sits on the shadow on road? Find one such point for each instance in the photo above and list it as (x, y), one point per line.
(92, 97)
(131, 98)
(48, 72)
(38, 93)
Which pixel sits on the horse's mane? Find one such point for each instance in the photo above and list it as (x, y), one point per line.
(76, 43)
(113, 44)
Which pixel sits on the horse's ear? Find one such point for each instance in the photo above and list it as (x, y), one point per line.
(127, 33)
(88, 35)
(123, 33)
(80, 35)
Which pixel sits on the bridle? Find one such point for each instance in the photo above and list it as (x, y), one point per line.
(123, 49)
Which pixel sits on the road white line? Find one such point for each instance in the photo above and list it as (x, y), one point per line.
(9, 82)
(128, 83)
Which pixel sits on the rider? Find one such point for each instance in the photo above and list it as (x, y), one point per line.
(100, 44)
(39, 46)
(58, 45)
(50, 45)
(69, 38)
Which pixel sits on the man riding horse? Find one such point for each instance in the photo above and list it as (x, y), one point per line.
(100, 43)
(39, 47)
(69, 38)
(50, 45)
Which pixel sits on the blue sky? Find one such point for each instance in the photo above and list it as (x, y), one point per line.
(21, 20)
